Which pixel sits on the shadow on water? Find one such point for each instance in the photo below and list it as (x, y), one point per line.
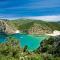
(3, 37)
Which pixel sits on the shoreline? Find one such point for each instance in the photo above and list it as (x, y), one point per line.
(55, 33)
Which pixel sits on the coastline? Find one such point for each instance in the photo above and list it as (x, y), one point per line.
(55, 33)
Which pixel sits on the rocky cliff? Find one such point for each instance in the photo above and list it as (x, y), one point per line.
(39, 29)
(4, 27)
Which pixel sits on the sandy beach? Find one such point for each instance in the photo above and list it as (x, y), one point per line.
(55, 33)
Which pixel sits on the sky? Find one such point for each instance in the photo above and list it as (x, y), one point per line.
(48, 10)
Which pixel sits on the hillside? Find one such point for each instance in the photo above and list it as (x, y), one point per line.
(6, 28)
(31, 26)
(34, 26)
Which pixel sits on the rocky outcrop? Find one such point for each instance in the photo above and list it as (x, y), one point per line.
(39, 29)
(4, 27)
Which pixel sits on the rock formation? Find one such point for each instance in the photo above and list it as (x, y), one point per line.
(39, 29)
(4, 27)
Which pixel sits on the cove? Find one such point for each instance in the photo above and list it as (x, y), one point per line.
(32, 41)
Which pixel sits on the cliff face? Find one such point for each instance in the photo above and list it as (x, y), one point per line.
(4, 27)
(39, 29)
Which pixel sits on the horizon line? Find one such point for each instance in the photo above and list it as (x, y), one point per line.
(43, 18)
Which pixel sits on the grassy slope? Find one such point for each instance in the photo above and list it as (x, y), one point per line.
(22, 24)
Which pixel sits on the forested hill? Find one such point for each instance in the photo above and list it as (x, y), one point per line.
(34, 26)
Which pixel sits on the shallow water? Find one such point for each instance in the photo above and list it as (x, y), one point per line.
(33, 42)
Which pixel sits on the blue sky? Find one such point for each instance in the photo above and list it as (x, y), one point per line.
(30, 8)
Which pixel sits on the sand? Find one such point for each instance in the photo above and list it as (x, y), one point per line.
(55, 33)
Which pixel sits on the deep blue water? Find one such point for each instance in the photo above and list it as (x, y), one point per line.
(33, 42)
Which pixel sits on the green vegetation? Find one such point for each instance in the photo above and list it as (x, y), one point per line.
(25, 24)
(50, 47)
(29, 25)
(48, 50)
(20, 24)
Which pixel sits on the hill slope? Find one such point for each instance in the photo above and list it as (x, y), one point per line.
(34, 26)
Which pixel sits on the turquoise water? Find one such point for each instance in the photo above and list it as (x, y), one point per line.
(2, 39)
(33, 42)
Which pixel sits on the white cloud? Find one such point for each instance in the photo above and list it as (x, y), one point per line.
(45, 18)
